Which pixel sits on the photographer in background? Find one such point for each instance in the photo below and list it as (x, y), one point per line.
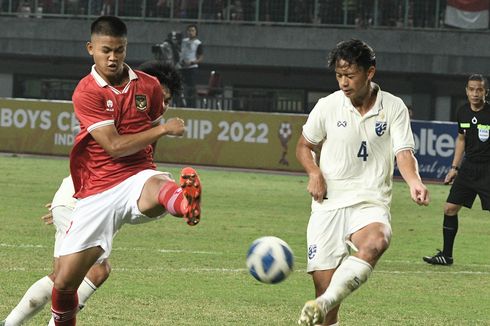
(191, 55)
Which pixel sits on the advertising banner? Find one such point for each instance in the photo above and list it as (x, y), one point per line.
(434, 147)
(221, 138)
(234, 139)
(216, 138)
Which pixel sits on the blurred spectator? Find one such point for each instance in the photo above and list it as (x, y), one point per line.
(365, 11)
(107, 8)
(47, 6)
(24, 9)
(272, 10)
(424, 13)
(235, 10)
(212, 9)
(331, 11)
(300, 11)
(72, 7)
(189, 8)
(191, 55)
(163, 8)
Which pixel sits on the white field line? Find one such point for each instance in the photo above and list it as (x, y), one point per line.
(444, 269)
(240, 271)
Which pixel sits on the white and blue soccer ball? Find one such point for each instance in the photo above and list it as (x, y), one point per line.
(270, 260)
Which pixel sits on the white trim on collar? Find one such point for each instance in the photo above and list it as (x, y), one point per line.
(102, 83)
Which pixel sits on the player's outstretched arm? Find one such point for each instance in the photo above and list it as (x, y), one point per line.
(117, 145)
(407, 164)
(317, 187)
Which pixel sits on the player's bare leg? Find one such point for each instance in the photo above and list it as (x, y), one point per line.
(371, 242)
(72, 270)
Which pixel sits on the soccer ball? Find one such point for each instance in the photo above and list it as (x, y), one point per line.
(270, 260)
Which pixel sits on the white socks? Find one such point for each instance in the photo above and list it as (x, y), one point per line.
(349, 276)
(85, 290)
(38, 295)
(31, 303)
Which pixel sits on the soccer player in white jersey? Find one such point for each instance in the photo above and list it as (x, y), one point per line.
(39, 293)
(358, 131)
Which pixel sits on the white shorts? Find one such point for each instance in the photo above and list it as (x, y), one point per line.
(328, 232)
(97, 218)
(61, 221)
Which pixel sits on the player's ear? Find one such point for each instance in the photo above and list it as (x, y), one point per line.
(370, 72)
(90, 48)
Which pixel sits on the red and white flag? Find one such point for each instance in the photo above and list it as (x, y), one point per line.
(471, 14)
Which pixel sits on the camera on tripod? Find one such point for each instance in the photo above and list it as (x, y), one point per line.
(169, 50)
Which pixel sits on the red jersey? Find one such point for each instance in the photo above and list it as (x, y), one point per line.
(135, 108)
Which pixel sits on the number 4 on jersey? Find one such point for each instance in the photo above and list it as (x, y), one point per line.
(363, 153)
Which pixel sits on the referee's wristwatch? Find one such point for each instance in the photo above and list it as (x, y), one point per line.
(454, 167)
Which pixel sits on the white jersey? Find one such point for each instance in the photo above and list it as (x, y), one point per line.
(64, 194)
(189, 51)
(357, 156)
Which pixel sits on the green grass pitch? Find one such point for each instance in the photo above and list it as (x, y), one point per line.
(167, 273)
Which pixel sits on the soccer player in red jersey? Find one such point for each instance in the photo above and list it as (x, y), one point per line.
(111, 162)
(60, 211)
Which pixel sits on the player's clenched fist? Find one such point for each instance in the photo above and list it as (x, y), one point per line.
(174, 126)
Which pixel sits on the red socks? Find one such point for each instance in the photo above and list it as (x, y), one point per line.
(172, 199)
(64, 307)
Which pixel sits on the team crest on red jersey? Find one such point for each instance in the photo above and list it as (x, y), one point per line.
(141, 102)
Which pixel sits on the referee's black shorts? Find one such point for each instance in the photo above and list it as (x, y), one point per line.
(472, 179)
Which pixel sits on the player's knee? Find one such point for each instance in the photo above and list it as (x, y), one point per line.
(65, 285)
(451, 209)
(374, 247)
(106, 269)
(99, 273)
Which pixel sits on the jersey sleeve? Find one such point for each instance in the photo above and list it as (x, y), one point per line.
(401, 131)
(200, 50)
(314, 130)
(462, 126)
(156, 109)
(91, 111)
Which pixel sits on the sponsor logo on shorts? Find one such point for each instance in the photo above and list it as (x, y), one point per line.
(311, 251)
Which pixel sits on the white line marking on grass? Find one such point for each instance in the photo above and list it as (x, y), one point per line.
(237, 270)
(434, 272)
(196, 252)
(6, 245)
(183, 270)
(420, 262)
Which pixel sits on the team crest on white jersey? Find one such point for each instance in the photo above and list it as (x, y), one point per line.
(380, 128)
(483, 132)
(342, 123)
(109, 105)
(141, 102)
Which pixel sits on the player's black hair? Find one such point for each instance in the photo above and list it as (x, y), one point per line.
(479, 77)
(166, 74)
(193, 25)
(353, 51)
(109, 26)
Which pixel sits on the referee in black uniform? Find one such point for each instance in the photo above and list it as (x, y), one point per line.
(470, 169)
